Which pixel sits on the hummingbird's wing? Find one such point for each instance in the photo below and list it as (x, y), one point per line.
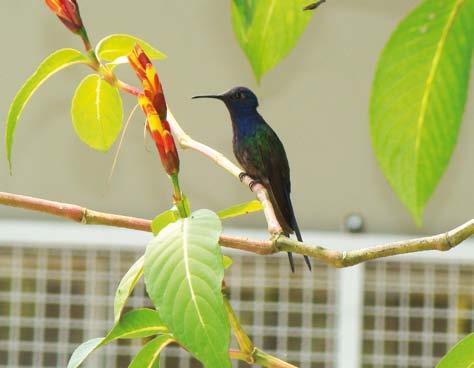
(277, 171)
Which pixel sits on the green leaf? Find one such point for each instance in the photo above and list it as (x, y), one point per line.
(163, 220)
(419, 95)
(267, 30)
(52, 64)
(227, 262)
(126, 286)
(97, 112)
(461, 355)
(83, 351)
(183, 276)
(114, 47)
(240, 209)
(135, 324)
(149, 355)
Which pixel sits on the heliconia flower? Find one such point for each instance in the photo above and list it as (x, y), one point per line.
(68, 12)
(149, 78)
(161, 134)
(153, 104)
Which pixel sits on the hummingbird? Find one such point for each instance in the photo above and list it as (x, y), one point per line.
(261, 154)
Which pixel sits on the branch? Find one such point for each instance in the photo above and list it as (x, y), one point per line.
(441, 242)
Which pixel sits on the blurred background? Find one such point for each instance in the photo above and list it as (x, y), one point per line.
(409, 311)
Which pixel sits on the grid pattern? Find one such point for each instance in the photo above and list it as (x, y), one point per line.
(52, 299)
(414, 312)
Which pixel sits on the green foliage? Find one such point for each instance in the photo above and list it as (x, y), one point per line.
(97, 112)
(163, 220)
(83, 351)
(126, 286)
(418, 97)
(183, 277)
(115, 48)
(227, 262)
(149, 355)
(240, 209)
(461, 355)
(267, 30)
(135, 324)
(51, 65)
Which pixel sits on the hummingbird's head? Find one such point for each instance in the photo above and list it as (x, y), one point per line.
(237, 100)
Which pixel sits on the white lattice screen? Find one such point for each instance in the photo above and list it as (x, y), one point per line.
(413, 312)
(57, 284)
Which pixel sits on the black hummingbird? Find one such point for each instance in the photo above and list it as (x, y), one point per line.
(262, 156)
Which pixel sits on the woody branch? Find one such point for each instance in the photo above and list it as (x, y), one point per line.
(440, 242)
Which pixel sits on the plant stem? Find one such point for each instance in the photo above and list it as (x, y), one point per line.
(248, 352)
(178, 197)
(269, 361)
(245, 344)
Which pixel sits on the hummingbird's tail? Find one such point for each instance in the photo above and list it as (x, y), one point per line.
(292, 263)
(291, 220)
(300, 238)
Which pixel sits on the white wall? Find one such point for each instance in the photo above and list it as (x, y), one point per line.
(317, 100)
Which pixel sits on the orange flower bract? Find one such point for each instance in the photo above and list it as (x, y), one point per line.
(153, 104)
(68, 12)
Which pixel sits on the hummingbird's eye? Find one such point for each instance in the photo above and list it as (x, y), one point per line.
(239, 95)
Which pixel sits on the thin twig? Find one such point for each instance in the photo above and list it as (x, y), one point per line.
(441, 242)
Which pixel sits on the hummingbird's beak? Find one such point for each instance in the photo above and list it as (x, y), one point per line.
(217, 97)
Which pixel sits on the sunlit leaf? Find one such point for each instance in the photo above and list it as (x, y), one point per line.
(135, 324)
(83, 351)
(149, 355)
(183, 276)
(97, 112)
(240, 209)
(163, 220)
(267, 30)
(227, 261)
(115, 47)
(126, 286)
(461, 355)
(51, 65)
(419, 95)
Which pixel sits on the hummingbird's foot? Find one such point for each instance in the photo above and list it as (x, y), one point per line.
(252, 183)
(242, 176)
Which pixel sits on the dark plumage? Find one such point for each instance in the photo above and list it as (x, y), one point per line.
(262, 155)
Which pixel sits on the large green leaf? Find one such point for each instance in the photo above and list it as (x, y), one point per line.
(116, 48)
(418, 97)
(97, 112)
(240, 209)
(126, 286)
(461, 355)
(135, 324)
(267, 30)
(149, 355)
(52, 64)
(183, 276)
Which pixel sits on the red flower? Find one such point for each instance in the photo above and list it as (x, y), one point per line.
(149, 78)
(68, 12)
(153, 105)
